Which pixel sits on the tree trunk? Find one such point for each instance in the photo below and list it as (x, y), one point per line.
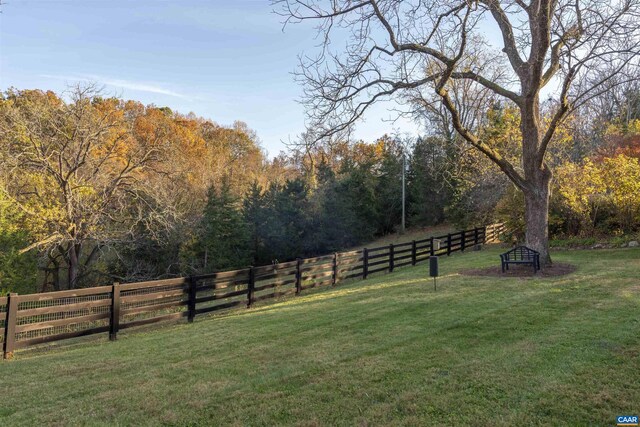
(73, 264)
(55, 271)
(537, 217)
(537, 175)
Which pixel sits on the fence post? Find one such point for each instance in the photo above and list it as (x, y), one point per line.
(10, 326)
(335, 268)
(413, 252)
(463, 240)
(391, 256)
(365, 263)
(484, 235)
(475, 236)
(191, 305)
(114, 321)
(298, 276)
(251, 286)
(448, 244)
(432, 251)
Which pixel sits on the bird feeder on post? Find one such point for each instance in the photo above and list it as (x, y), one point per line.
(433, 270)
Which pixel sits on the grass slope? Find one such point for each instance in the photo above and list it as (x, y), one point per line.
(415, 233)
(386, 351)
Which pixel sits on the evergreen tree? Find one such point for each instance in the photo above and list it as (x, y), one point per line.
(223, 238)
(428, 184)
(254, 213)
(358, 191)
(289, 224)
(335, 224)
(389, 190)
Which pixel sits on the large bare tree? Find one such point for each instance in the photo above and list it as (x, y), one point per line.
(374, 50)
(71, 169)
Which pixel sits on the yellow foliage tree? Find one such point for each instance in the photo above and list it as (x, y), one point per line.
(582, 189)
(612, 183)
(621, 175)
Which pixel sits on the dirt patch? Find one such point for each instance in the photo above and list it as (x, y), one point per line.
(557, 269)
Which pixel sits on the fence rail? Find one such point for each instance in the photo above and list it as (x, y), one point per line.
(27, 320)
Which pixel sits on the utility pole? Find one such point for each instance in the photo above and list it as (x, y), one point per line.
(404, 169)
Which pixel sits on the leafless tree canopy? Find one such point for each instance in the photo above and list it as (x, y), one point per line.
(428, 50)
(386, 48)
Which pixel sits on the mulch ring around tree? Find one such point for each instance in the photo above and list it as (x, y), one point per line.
(556, 269)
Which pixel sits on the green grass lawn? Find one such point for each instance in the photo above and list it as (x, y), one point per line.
(386, 351)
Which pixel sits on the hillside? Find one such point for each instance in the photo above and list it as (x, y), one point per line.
(385, 351)
(414, 233)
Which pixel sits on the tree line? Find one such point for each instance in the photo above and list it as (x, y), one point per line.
(99, 189)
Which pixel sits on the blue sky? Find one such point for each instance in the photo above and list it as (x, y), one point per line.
(221, 59)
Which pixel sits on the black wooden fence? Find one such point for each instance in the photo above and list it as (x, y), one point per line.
(27, 320)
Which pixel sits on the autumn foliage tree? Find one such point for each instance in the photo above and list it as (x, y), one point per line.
(605, 191)
(94, 177)
(68, 167)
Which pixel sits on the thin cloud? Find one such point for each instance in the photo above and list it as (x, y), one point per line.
(123, 84)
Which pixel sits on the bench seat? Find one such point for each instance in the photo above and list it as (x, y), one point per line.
(520, 255)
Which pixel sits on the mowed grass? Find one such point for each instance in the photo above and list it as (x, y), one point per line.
(386, 351)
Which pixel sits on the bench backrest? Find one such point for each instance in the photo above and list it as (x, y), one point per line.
(520, 253)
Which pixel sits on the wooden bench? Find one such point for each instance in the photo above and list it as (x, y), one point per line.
(521, 255)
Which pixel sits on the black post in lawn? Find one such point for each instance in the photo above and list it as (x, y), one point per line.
(433, 270)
